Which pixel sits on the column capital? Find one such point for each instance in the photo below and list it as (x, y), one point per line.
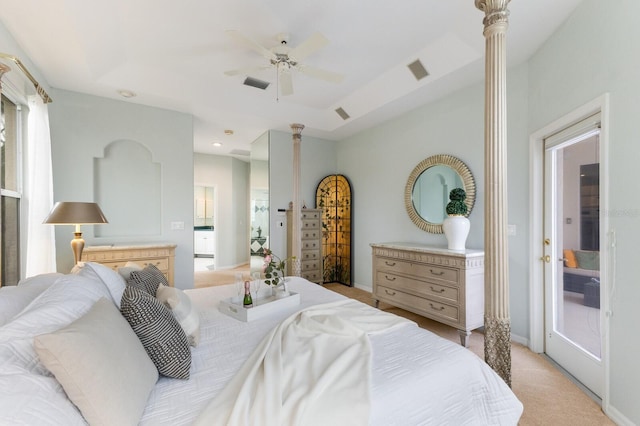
(4, 69)
(297, 130)
(495, 11)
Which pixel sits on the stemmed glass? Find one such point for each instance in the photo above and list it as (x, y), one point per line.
(255, 285)
(239, 287)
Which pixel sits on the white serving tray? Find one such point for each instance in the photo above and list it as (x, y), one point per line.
(265, 306)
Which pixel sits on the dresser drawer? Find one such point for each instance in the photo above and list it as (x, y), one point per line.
(310, 245)
(419, 288)
(310, 214)
(423, 306)
(308, 224)
(161, 264)
(310, 255)
(311, 234)
(313, 276)
(307, 265)
(421, 270)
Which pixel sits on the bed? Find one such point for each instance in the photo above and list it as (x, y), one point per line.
(416, 377)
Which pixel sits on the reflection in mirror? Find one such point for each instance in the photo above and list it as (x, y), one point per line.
(431, 192)
(259, 207)
(427, 190)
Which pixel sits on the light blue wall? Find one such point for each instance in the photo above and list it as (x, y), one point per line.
(317, 158)
(230, 178)
(82, 126)
(597, 51)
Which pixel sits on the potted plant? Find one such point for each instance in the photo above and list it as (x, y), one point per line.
(456, 225)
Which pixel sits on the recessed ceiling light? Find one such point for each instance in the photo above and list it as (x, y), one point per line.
(126, 93)
(216, 144)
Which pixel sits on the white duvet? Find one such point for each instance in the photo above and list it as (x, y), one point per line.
(417, 378)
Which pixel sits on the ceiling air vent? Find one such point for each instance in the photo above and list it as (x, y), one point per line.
(342, 113)
(254, 82)
(418, 70)
(243, 152)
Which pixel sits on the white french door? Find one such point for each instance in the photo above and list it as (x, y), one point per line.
(573, 318)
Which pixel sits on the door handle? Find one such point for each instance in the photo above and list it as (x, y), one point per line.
(546, 259)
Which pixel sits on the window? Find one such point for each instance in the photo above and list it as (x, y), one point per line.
(10, 185)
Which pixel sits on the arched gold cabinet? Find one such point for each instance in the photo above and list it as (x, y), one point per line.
(333, 196)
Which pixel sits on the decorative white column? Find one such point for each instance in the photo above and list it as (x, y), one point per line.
(296, 230)
(497, 322)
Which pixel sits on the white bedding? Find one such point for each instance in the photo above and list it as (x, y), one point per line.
(418, 377)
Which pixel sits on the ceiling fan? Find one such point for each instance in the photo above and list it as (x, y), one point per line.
(285, 59)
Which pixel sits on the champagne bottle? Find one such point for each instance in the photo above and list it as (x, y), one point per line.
(248, 301)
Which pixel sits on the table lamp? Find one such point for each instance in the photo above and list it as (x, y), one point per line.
(76, 213)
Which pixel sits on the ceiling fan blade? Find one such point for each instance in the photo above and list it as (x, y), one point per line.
(333, 77)
(250, 44)
(246, 71)
(316, 42)
(285, 82)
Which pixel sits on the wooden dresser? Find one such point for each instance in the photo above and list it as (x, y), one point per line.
(311, 243)
(444, 285)
(161, 255)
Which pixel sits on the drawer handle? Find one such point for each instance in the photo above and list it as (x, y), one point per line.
(437, 291)
(386, 262)
(441, 308)
(390, 293)
(390, 278)
(435, 273)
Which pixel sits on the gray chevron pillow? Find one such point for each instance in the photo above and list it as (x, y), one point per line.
(160, 333)
(148, 279)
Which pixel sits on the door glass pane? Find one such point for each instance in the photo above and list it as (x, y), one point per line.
(577, 307)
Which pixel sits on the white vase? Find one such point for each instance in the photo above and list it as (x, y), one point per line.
(456, 229)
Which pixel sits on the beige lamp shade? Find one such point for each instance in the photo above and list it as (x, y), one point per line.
(76, 213)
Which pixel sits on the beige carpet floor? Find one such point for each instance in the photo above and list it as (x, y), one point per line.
(218, 277)
(548, 396)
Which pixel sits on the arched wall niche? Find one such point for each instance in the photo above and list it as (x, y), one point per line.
(127, 185)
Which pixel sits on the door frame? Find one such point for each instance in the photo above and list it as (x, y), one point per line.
(536, 188)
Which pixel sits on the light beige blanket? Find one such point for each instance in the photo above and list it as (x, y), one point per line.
(312, 369)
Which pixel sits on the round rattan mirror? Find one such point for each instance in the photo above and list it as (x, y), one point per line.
(427, 191)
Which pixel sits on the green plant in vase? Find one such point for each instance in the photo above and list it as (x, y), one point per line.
(456, 225)
(457, 206)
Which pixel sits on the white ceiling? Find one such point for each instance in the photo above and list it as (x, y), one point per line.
(173, 55)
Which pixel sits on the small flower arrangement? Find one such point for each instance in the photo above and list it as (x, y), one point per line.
(457, 206)
(273, 268)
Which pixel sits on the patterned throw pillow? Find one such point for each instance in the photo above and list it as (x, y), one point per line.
(148, 279)
(160, 333)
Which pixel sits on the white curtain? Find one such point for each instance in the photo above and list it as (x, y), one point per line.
(38, 200)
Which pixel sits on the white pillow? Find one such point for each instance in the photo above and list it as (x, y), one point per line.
(183, 310)
(126, 270)
(114, 282)
(101, 364)
(15, 298)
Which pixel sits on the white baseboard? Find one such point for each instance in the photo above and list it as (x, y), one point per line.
(519, 339)
(617, 417)
(364, 287)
